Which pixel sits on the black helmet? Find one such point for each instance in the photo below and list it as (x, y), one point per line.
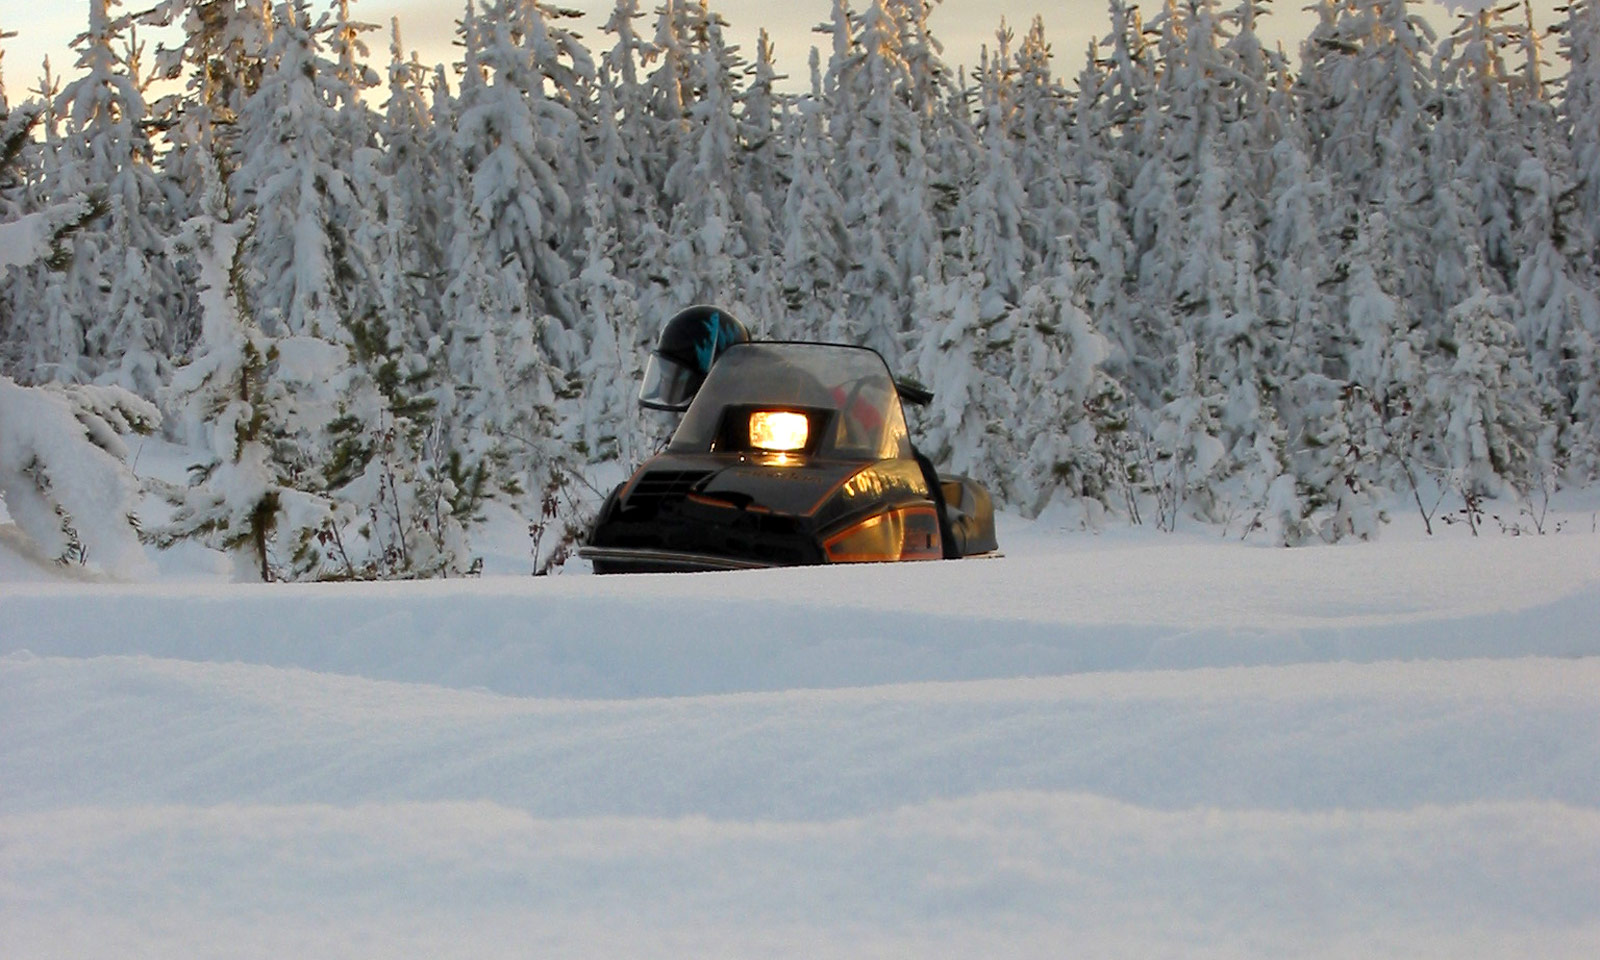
(689, 344)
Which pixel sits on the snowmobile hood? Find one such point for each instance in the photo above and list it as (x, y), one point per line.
(797, 486)
(715, 512)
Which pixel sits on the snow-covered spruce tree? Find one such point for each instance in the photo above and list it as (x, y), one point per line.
(1258, 111)
(953, 355)
(1181, 462)
(38, 242)
(509, 347)
(1038, 118)
(1337, 460)
(608, 426)
(1479, 403)
(127, 282)
(623, 148)
(472, 388)
(1397, 84)
(762, 185)
(626, 206)
(388, 467)
(879, 119)
(1579, 449)
(1242, 347)
(1155, 218)
(220, 60)
(1576, 225)
(518, 133)
(1184, 453)
(294, 191)
(409, 205)
(1254, 334)
(19, 156)
(617, 73)
(764, 172)
(1256, 64)
(988, 264)
(356, 127)
(16, 143)
(1471, 256)
(44, 301)
(1099, 160)
(927, 92)
(1107, 261)
(1104, 247)
(1312, 401)
(813, 227)
(1254, 361)
(1124, 77)
(238, 403)
(310, 347)
(943, 107)
(1366, 87)
(669, 93)
(1558, 315)
(1383, 348)
(1367, 78)
(412, 486)
(387, 456)
(1325, 82)
(63, 473)
(1069, 418)
(248, 499)
(1580, 104)
(992, 208)
(707, 261)
(1196, 272)
(1474, 148)
(351, 75)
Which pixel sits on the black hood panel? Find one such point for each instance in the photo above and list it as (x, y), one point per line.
(797, 489)
(742, 509)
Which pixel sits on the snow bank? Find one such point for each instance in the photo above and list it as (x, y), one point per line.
(1113, 746)
(1015, 875)
(135, 732)
(1056, 606)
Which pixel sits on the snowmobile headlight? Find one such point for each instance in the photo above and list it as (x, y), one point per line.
(779, 431)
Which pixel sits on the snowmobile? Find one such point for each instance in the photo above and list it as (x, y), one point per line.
(788, 453)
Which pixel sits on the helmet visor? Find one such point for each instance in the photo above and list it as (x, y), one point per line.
(668, 384)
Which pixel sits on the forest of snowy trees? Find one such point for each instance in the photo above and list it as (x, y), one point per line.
(1198, 278)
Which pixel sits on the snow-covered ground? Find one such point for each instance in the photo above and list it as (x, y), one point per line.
(1115, 745)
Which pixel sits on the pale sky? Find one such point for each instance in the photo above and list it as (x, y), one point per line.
(427, 26)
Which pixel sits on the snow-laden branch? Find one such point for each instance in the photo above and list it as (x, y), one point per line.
(63, 472)
(38, 236)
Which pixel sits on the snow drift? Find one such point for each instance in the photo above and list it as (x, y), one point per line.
(1109, 746)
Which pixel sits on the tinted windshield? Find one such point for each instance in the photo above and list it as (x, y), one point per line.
(851, 382)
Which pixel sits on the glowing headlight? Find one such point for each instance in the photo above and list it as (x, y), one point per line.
(778, 431)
